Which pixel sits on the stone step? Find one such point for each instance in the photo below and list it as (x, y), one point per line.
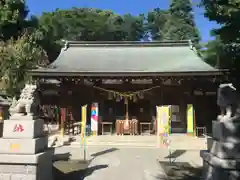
(177, 142)
(115, 144)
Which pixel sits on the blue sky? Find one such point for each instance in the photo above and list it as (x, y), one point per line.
(134, 7)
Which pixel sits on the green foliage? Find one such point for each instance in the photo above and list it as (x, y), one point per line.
(87, 24)
(19, 49)
(157, 20)
(227, 13)
(18, 56)
(177, 23)
(12, 18)
(182, 24)
(213, 53)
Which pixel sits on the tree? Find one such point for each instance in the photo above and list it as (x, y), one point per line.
(87, 24)
(19, 50)
(213, 53)
(181, 24)
(226, 13)
(132, 27)
(13, 19)
(157, 20)
(18, 56)
(177, 23)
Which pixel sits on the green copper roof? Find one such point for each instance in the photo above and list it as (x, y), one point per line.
(129, 57)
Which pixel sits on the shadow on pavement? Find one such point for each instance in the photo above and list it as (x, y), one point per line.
(66, 169)
(61, 157)
(104, 152)
(180, 171)
(175, 154)
(74, 170)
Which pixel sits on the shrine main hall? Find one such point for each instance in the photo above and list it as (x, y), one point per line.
(122, 83)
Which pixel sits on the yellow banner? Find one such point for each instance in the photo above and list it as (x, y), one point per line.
(159, 127)
(163, 122)
(84, 121)
(165, 119)
(190, 118)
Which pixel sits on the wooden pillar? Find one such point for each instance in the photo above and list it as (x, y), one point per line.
(1, 121)
(182, 112)
(63, 120)
(1, 114)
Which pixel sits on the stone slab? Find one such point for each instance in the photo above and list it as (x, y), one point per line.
(17, 177)
(209, 143)
(31, 129)
(214, 173)
(27, 167)
(18, 116)
(18, 169)
(41, 171)
(226, 131)
(228, 164)
(224, 150)
(23, 146)
(26, 158)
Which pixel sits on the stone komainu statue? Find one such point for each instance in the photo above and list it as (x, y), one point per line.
(28, 101)
(227, 100)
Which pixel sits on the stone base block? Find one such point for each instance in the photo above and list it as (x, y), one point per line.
(228, 164)
(21, 128)
(19, 116)
(225, 150)
(29, 167)
(17, 177)
(209, 143)
(228, 130)
(213, 173)
(23, 146)
(26, 158)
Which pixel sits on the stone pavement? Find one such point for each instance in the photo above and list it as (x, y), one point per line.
(128, 163)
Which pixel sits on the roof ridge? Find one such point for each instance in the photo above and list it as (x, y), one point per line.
(126, 43)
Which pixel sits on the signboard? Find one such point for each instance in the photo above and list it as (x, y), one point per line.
(63, 120)
(94, 118)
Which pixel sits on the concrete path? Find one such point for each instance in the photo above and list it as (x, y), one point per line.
(114, 163)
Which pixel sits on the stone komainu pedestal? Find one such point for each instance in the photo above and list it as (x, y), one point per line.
(222, 159)
(23, 150)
